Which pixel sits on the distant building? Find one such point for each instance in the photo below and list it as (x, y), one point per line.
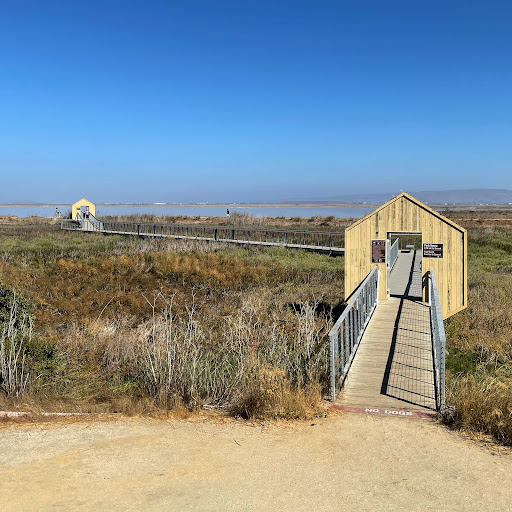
(81, 207)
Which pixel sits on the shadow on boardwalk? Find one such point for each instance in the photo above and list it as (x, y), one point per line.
(409, 374)
(393, 367)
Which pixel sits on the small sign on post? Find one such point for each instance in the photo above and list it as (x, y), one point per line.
(432, 250)
(378, 251)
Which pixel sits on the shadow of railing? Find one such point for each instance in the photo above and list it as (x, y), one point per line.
(409, 373)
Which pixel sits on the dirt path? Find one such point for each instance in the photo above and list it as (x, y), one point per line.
(345, 462)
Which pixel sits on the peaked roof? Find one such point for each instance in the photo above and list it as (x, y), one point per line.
(413, 200)
(83, 199)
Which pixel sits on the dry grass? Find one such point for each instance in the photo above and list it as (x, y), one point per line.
(482, 404)
(480, 340)
(246, 331)
(190, 360)
(243, 219)
(109, 340)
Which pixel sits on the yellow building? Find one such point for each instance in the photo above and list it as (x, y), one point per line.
(82, 206)
(444, 248)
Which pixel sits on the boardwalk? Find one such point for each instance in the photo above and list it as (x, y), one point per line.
(393, 367)
(317, 241)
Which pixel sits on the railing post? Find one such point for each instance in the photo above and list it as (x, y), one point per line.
(333, 343)
(438, 341)
(388, 267)
(138, 229)
(352, 330)
(341, 350)
(215, 235)
(378, 287)
(442, 363)
(346, 332)
(363, 316)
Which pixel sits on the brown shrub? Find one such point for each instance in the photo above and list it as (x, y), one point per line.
(482, 404)
(269, 394)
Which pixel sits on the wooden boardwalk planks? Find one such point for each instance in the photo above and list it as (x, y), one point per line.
(393, 367)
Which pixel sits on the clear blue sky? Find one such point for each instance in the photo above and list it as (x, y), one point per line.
(252, 100)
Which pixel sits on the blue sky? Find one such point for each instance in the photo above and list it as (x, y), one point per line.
(252, 100)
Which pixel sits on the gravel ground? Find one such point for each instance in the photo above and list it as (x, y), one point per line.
(344, 462)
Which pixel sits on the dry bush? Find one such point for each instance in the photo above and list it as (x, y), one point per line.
(243, 219)
(237, 316)
(269, 394)
(191, 359)
(13, 337)
(182, 359)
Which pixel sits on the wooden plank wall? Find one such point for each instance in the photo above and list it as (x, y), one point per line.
(405, 214)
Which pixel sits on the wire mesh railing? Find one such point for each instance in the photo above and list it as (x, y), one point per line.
(71, 224)
(346, 334)
(438, 341)
(393, 254)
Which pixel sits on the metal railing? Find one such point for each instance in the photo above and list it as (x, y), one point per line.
(346, 334)
(89, 223)
(71, 224)
(393, 255)
(438, 340)
(324, 240)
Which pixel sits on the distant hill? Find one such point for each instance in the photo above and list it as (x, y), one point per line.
(465, 196)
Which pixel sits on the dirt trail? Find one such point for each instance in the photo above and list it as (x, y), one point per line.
(345, 462)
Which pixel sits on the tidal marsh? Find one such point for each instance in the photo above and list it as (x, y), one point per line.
(141, 325)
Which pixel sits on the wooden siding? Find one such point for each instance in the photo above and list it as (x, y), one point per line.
(75, 207)
(404, 214)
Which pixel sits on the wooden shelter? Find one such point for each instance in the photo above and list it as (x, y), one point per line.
(444, 248)
(81, 206)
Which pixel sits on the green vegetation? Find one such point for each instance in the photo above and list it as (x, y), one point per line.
(123, 324)
(479, 364)
(133, 325)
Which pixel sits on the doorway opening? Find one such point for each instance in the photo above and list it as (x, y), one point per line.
(404, 274)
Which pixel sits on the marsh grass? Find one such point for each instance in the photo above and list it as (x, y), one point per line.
(479, 364)
(138, 326)
(243, 219)
(108, 339)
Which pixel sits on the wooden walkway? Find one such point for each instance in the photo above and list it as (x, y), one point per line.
(316, 241)
(393, 367)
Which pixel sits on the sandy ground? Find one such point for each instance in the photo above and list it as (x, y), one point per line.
(345, 462)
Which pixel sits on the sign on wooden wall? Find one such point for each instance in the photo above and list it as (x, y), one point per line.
(378, 251)
(432, 250)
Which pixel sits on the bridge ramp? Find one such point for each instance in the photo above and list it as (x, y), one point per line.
(393, 367)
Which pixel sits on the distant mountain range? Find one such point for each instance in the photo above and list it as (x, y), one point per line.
(463, 196)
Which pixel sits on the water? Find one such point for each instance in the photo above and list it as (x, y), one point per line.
(193, 211)
(28, 211)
